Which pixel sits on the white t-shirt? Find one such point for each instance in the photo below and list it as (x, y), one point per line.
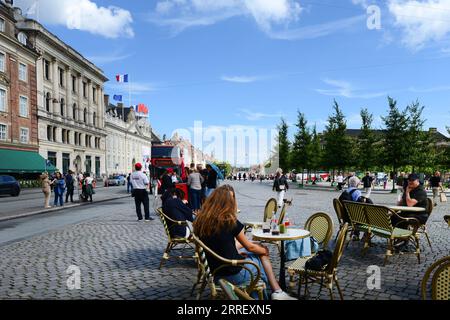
(139, 180)
(340, 179)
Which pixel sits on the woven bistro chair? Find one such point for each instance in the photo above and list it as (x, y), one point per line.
(174, 242)
(320, 226)
(233, 292)
(207, 277)
(341, 215)
(440, 281)
(375, 220)
(328, 276)
(270, 209)
(358, 220)
(423, 228)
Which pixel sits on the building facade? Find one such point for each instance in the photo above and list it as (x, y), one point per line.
(70, 105)
(128, 141)
(18, 96)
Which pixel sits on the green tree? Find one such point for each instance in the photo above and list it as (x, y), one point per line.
(301, 148)
(338, 146)
(417, 139)
(395, 144)
(283, 147)
(367, 151)
(316, 150)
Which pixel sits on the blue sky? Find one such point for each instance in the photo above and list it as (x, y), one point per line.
(249, 62)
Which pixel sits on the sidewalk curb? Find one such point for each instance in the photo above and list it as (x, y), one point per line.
(28, 214)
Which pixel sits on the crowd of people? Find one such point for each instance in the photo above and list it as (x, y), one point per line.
(66, 184)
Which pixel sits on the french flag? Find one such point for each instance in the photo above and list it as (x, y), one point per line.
(122, 78)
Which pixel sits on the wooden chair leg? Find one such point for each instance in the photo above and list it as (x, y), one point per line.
(417, 248)
(388, 251)
(428, 239)
(338, 287)
(165, 254)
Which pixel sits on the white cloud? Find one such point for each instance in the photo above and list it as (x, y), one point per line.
(84, 15)
(316, 31)
(135, 88)
(241, 79)
(347, 90)
(182, 14)
(108, 58)
(255, 116)
(421, 21)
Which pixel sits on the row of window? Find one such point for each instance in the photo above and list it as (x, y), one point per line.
(23, 103)
(24, 133)
(61, 81)
(23, 68)
(62, 104)
(65, 138)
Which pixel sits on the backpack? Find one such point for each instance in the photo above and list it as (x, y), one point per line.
(320, 261)
(364, 200)
(346, 196)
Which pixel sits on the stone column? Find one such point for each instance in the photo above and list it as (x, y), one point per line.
(89, 98)
(69, 100)
(80, 97)
(55, 94)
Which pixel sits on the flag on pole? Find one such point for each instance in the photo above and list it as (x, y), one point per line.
(117, 97)
(122, 78)
(142, 108)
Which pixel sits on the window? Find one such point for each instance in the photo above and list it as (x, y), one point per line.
(74, 84)
(84, 89)
(85, 115)
(49, 133)
(93, 117)
(66, 162)
(22, 37)
(63, 136)
(3, 132)
(24, 135)
(23, 106)
(54, 134)
(74, 111)
(61, 77)
(62, 103)
(2, 100)
(76, 138)
(68, 137)
(46, 69)
(2, 62)
(2, 25)
(94, 95)
(51, 156)
(23, 72)
(48, 99)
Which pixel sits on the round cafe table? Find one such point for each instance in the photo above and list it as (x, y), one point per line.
(406, 209)
(291, 234)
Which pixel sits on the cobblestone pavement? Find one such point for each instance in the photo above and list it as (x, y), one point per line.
(119, 257)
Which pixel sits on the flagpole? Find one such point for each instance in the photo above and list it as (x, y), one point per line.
(129, 90)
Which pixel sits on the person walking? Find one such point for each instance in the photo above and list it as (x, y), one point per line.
(280, 185)
(140, 184)
(59, 187)
(45, 183)
(368, 184)
(340, 181)
(211, 180)
(70, 184)
(194, 182)
(129, 185)
(89, 183)
(436, 185)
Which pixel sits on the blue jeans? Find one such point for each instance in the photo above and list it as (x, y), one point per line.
(129, 186)
(209, 191)
(58, 196)
(195, 197)
(244, 276)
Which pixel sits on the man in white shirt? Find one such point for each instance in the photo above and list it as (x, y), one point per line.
(140, 184)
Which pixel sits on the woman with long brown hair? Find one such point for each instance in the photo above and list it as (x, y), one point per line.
(218, 227)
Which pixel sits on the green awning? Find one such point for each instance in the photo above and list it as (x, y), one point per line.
(14, 161)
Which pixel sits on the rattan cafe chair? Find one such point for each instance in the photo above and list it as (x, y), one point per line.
(328, 276)
(440, 280)
(233, 292)
(175, 243)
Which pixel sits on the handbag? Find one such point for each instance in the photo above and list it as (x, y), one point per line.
(320, 261)
(443, 197)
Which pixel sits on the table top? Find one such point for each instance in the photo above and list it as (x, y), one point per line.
(406, 209)
(291, 234)
(253, 223)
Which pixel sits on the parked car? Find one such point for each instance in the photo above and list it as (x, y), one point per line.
(121, 180)
(9, 185)
(113, 181)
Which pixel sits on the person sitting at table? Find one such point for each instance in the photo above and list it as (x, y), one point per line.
(218, 227)
(175, 208)
(414, 196)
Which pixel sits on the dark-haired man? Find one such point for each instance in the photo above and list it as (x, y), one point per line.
(175, 208)
(140, 184)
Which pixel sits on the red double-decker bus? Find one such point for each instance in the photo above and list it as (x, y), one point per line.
(165, 157)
